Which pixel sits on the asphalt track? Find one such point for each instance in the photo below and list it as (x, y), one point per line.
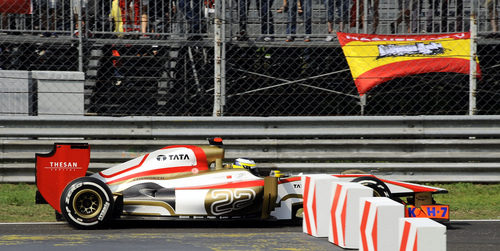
(197, 235)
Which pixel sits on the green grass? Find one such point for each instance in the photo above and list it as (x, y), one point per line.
(466, 200)
(18, 205)
(471, 201)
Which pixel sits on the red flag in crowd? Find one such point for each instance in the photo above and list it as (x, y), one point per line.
(15, 6)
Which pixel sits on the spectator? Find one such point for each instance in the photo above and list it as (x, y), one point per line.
(291, 26)
(284, 7)
(191, 10)
(163, 12)
(439, 8)
(341, 8)
(5, 22)
(79, 4)
(492, 6)
(116, 17)
(144, 17)
(48, 17)
(407, 8)
(130, 16)
(10, 11)
(266, 19)
(361, 17)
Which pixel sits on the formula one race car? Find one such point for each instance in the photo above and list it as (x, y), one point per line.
(187, 181)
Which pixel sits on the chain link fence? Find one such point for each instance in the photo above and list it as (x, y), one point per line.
(158, 57)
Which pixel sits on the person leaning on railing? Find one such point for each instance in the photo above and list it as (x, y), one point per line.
(408, 10)
(284, 7)
(130, 16)
(291, 26)
(191, 10)
(79, 4)
(266, 19)
(341, 8)
(361, 17)
(492, 6)
(47, 10)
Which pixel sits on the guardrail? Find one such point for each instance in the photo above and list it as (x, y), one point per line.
(422, 148)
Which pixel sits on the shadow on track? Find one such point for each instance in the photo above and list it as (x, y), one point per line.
(202, 223)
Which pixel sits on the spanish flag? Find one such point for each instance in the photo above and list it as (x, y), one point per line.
(374, 59)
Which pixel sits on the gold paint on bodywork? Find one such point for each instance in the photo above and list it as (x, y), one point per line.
(233, 201)
(151, 203)
(290, 196)
(214, 154)
(270, 195)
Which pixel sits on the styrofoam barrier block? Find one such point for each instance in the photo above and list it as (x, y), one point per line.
(419, 234)
(344, 213)
(317, 190)
(379, 224)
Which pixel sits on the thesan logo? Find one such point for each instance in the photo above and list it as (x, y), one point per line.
(63, 165)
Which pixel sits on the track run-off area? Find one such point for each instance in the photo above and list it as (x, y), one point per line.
(209, 235)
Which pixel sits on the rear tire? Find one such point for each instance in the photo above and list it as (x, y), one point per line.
(87, 203)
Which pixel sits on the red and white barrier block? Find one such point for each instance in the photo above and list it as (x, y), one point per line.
(344, 213)
(419, 234)
(379, 224)
(317, 189)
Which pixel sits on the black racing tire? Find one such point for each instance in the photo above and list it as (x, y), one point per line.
(87, 203)
(380, 189)
(297, 210)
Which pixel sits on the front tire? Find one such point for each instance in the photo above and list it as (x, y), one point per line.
(380, 189)
(87, 203)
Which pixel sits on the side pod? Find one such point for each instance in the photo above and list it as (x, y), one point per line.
(54, 170)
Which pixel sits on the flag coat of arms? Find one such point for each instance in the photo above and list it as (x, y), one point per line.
(374, 59)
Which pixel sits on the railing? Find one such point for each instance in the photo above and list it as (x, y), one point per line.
(168, 19)
(423, 148)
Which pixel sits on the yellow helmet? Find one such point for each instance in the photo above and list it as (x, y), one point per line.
(247, 164)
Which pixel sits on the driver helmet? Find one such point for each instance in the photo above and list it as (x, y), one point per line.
(247, 164)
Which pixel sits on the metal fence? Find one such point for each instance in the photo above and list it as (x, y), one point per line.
(153, 18)
(159, 57)
(420, 148)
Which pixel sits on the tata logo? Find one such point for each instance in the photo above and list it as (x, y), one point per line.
(172, 157)
(161, 157)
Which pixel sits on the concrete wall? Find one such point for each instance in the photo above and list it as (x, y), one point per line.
(41, 93)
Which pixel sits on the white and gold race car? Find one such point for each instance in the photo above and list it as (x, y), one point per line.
(188, 181)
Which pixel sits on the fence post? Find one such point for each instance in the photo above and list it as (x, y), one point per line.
(365, 16)
(80, 35)
(472, 68)
(362, 103)
(220, 59)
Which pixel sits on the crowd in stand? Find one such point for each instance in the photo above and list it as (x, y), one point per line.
(144, 18)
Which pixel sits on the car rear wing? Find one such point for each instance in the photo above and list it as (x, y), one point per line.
(54, 170)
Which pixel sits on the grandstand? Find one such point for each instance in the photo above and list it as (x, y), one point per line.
(164, 71)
